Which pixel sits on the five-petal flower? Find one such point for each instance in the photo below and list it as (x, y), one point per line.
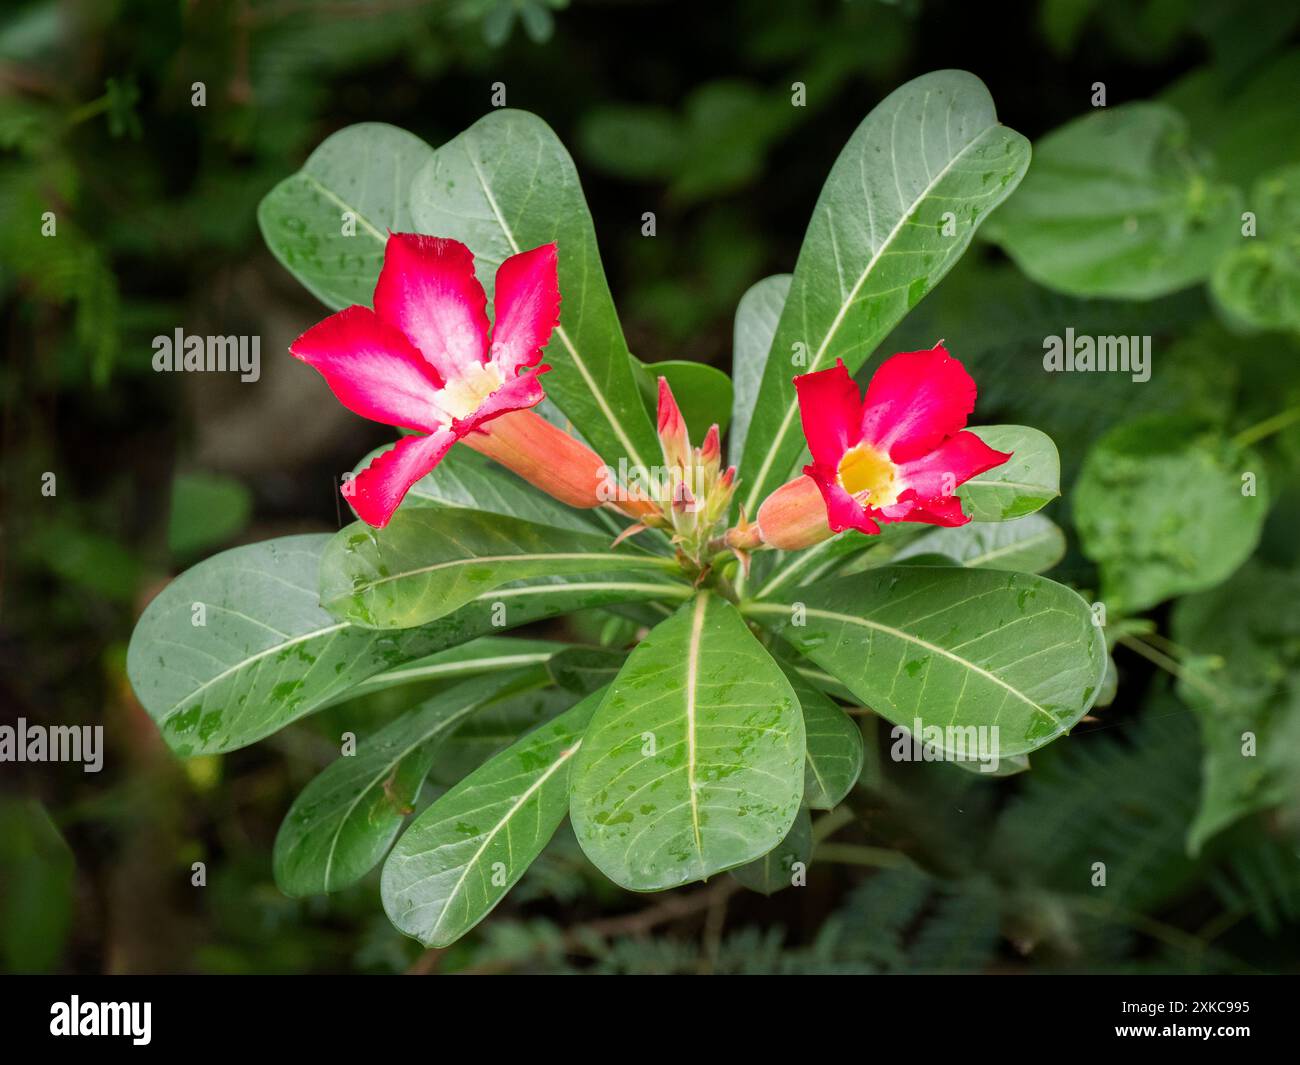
(425, 358)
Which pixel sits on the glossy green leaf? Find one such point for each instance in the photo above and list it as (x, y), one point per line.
(703, 392)
(494, 728)
(757, 314)
(1161, 508)
(694, 762)
(1026, 482)
(776, 869)
(833, 742)
(951, 647)
(899, 208)
(428, 562)
(1119, 204)
(343, 822)
(239, 646)
(504, 186)
(585, 669)
(461, 855)
(328, 223)
(1030, 544)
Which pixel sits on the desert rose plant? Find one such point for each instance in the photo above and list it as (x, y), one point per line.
(855, 545)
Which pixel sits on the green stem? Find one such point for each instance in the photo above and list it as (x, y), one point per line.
(853, 854)
(1171, 667)
(1267, 427)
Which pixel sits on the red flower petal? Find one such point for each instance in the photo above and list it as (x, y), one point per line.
(946, 512)
(518, 394)
(842, 510)
(526, 307)
(831, 411)
(377, 490)
(915, 400)
(428, 290)
(372, 368)
(954, 462)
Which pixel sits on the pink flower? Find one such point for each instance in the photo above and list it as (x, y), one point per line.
(898, 454)
(423, 358)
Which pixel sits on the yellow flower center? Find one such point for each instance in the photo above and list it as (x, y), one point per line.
(466, 393)
(867, 474)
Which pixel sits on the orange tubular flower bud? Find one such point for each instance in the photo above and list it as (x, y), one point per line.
(794, 516)
(545, 456)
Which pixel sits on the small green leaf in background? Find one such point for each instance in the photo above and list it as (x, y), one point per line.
(428, 562)
(899, 208)
(775, 870)
(1244, 686)
(585, 669)
(328, 223)
(207, 510)
(951, 647)
(695, 762)
(1119, 203)
(757, 315)
(1258, 283)
(461, 855)
(1160, 506)
(342, 822)
(1030, 544)
(1026, 482)
(36, 890)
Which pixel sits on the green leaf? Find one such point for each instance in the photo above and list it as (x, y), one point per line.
(1160, 508)
(358, 181)
(585, 669)
(1026, 482)
(460, 857)
(775, 870)
(1030, 544)
(494, 728)
(343, 822)
(266, 653)
(426, 563)
(951, 648)
(703, 392)
(1119, 204)
(466, 480)
(1258, 283)
(1243, 682)
(38, 889)
(206, 510)
(757, 314)
(930, 158)
(504, 186)
(694, 762)
(833, 758)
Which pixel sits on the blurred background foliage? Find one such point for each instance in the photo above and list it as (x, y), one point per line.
(147, 132)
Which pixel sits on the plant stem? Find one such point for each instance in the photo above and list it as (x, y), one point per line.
(1171, 666)
(1267, 427)
(854, 854)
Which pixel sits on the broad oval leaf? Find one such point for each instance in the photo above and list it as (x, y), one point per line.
(833, 744)
(899, 208)
(1030, 544)
(1026, 482)
(343, 821)
(703, 392)
(237, 647)
(1119, 204)
(328, 223)
(1160, 508)
(461, 855)
(952, 648)
(504, 186)
(428, 562)
(694, 762)
(776, 869)
(757, 313)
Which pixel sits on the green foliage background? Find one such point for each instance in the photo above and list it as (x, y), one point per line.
(687, 115)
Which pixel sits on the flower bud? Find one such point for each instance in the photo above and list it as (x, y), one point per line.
(794, 516)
